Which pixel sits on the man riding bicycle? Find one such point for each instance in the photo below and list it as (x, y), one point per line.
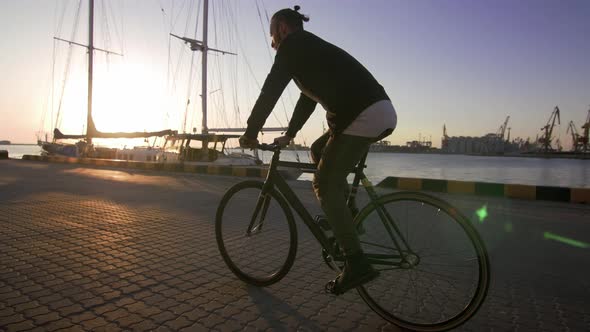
(359, 112)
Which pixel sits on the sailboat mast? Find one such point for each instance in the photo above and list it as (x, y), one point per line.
(90, 68)
(204, 128)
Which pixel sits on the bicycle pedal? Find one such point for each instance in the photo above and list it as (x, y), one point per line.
(331, 288)
(322, 221)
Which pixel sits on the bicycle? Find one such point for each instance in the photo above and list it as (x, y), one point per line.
(419, 288)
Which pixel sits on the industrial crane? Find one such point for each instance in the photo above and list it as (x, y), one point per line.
(546, 139)
(583, 140)
(575, 136)
(502, 129)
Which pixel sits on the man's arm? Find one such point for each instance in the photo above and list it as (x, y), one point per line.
(273, 87)
(303, 110)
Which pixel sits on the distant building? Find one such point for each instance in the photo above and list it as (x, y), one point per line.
(410, 147)
(488, 144)
(4, 142)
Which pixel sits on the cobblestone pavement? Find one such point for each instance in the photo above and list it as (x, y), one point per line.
(106, 249)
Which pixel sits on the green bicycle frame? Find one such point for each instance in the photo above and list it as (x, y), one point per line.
(275, 180)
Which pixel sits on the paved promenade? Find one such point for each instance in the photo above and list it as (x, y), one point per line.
(109, 249)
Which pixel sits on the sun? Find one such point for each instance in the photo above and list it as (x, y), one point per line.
(130, 97)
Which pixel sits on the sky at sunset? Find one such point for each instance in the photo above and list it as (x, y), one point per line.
(466, 64)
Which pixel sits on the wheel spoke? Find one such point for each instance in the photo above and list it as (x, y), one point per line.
(265, 253)
(444, 273)
(443, 254)
(447, 265)
(378, 245)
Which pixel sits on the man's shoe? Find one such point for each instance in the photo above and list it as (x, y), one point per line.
(357, 271)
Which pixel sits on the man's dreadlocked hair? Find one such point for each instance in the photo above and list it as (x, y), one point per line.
(291, 16)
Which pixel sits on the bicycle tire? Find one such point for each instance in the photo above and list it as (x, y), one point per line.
(243, 262)
(391, 298)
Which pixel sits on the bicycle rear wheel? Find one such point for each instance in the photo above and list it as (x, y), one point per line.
(440, 279)
(256, 234)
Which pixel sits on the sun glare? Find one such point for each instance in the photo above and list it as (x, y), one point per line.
(130, 97)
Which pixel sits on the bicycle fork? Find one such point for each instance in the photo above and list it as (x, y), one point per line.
(259, 214)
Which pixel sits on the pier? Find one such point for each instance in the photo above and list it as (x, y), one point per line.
(86, 247)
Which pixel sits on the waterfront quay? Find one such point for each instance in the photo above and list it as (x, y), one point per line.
(104, 248)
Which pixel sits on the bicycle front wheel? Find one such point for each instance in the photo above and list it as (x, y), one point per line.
(256, 234)
(434, 267)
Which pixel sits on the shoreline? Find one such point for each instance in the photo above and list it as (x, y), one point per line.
(548, 155)
(551, 155)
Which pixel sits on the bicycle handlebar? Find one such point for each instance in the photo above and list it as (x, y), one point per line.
(269, 147)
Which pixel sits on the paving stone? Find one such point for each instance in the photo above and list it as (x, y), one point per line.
(179, 323)
(24, 306)
(105, 308)
(39, 310)
(16, 318)
(212, 305)
(86, 246)
(154, 299)
(91, 302)
(129, 320)
(163, 317)
(232, 325)
(124, 302)
(30, 289)
(20, 326)
(196, 327)
(108, 328)
(144, 325)
(40, 293)
(62, 324)
(77, 318)
(17, 300)
(46, 318)
(181, 309)
(111, 295)
(94, 323)
(195, 314)
(7, 311)
(163, 328)
(60, 304)
(212, 320)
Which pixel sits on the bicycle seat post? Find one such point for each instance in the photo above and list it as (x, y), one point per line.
(358, 175)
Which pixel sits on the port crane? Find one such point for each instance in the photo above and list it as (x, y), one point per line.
(546, 139)
(496, 142)
(575, 136)
(502, 129)
(583, 140)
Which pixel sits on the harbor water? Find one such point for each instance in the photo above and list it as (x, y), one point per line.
(559, 172)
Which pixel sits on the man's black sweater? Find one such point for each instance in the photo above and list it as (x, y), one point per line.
(325, 74)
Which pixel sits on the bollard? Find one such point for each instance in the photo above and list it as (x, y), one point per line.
(3, 154)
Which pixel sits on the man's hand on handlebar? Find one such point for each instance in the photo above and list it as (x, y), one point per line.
(283, 141)
(248, 143)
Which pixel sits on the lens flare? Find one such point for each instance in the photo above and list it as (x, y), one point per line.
(482, 213)
(562, 239)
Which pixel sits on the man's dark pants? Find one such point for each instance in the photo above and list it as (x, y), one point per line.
(336, 156)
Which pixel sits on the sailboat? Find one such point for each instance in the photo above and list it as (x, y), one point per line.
(212, 135)
(213, 140)
(85, 147)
